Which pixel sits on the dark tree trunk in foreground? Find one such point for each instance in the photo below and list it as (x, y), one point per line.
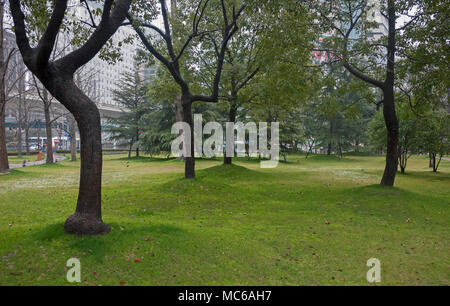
(88, 215)
(58, 78)
(392, 126)
(231, 118)
(189, 166)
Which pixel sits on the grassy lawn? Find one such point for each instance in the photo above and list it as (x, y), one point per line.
(19, 160)
(233, 225)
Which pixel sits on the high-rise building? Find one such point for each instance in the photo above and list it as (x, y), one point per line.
(106, 76)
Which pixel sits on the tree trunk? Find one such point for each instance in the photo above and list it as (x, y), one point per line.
(87, 219)
(390, 116)
(189, 169)
(403, 159)
(4, 165)
(27, 136)
(231, 118)
(137, 147)
(434, 162)
(130, 149)
(57, 77)
(48, 130)
(73, 139)
(329, 139)
(391, 121)
(19, 127)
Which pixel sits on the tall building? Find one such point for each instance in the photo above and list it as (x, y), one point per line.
(382, 30)
(106, 76)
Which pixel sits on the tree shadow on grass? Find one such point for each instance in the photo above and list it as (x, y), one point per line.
(223, 175)
(384, 201)
(144, 159)
(97, 247)
(432, 176)
(14, 172)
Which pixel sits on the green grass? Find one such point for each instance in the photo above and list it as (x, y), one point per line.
(233, 225)
(19, 160)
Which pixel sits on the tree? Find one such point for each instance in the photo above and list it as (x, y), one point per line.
(57, 78)
(160, 114)
(132, 95)
(175, 48)
(5, 59)
(243, 62)
(373, 59)
(21, 106)
(433, 136)
(4, 165)
(348, 18)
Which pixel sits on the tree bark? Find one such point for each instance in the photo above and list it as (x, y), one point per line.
(4, 164)
(392, 126)
(389, 113)
(231, 118)
(87, 219)
(48, 128)
(433, 158)
(189, 169)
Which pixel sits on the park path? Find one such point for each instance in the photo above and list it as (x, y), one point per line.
(35, 163)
